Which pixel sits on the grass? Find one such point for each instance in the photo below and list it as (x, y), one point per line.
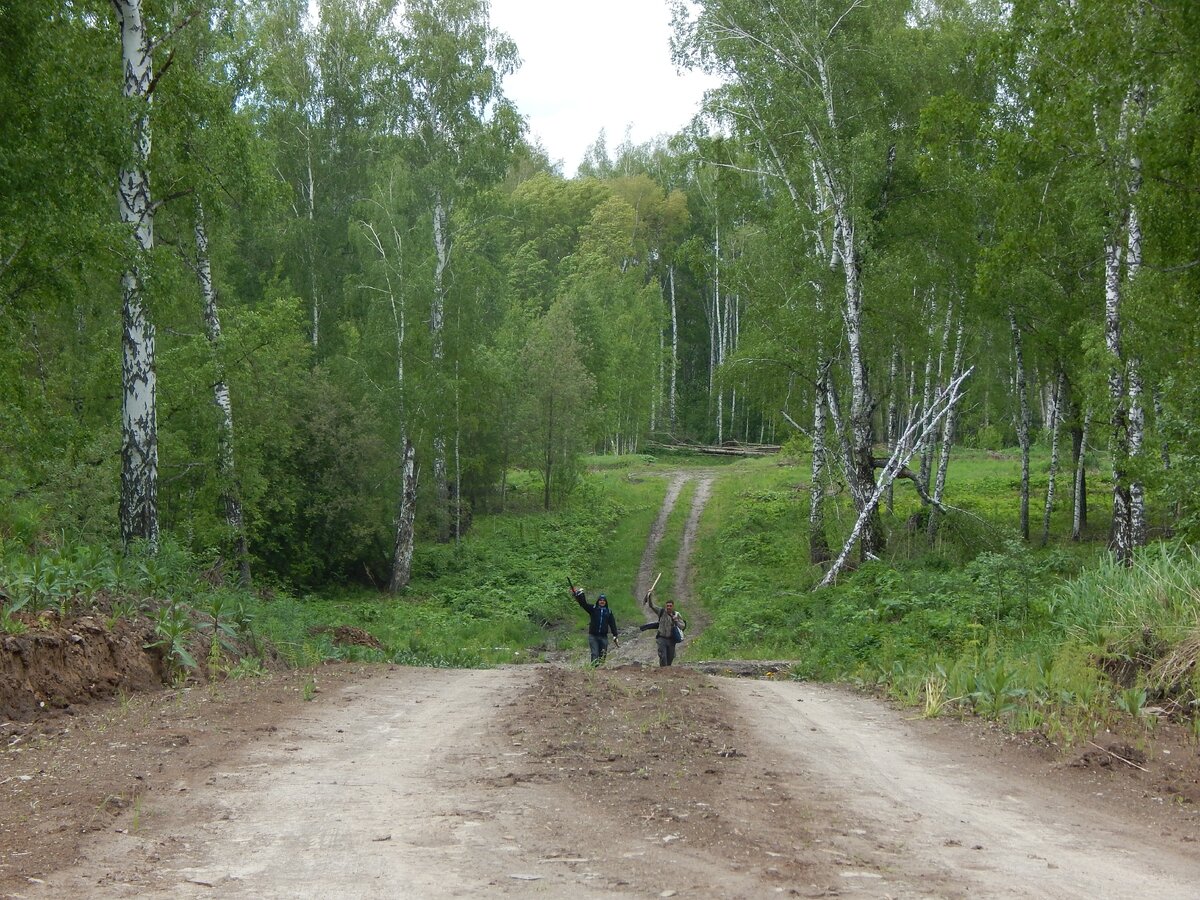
(1058, 639)
(672, 541)
(640, 491)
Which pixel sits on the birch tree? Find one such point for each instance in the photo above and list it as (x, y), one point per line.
(139, 380)
(818, 101)
(462, 132)
(1101, 117)
(226, 468)
(385, 233)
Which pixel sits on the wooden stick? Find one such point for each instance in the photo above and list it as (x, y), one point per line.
(653, 586)
(1118, 756)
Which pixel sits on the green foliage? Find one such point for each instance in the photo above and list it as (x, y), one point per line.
(173, 626)
(1038, 638)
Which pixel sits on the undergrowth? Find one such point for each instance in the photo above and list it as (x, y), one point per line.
(1060, 640)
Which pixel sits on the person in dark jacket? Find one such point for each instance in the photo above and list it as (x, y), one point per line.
(601, 625)
(668, 629)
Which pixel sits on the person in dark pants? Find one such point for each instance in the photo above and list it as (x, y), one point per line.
(668, 629)
(601, 625)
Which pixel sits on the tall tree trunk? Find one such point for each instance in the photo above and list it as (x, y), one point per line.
(457, 499)
(1121, 534)
(437, 314)
(1137, 413)
(818, 542)
(1079, 514)
(1023, 419)
(139, 415)
(862, 481)
(1060, 386)
(402, 553)
(674, 349)
(939, 486)
(718, 336)
(312, 241)
(1124, 380)
(226, 470)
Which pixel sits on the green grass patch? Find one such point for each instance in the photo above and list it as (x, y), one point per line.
(1058, 639)
(672, 541)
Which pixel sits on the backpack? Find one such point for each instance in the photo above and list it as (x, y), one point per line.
(676, 634)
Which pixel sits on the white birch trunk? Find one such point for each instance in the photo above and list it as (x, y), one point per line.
(862, 481)
(845, 243)
(402, 553)
(312, 243)
(818, 543)
(1023, 419)
(139, 416)
(1137, 413)
(1122, 540)
(1055, 429)
(437, 314)
(226, 468)
(1079, 504)
(674, 349)
(939, 485)
(718, 337)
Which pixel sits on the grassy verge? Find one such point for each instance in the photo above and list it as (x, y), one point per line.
(1057, 639)
(498, 596)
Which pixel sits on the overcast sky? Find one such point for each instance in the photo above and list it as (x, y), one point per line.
(592, 64)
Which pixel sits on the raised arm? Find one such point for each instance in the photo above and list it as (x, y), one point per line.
(581, 598)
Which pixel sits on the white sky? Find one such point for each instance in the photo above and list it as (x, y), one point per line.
(592, 64)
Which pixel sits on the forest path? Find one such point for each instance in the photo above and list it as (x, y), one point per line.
(640, 647)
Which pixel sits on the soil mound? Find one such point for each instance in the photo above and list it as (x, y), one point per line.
(57, 663)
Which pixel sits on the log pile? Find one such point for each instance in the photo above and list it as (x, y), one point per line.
(729, 448)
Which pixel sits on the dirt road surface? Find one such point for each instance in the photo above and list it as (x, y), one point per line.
(626, 782)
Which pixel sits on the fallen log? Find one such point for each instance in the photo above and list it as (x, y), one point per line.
(727, 449)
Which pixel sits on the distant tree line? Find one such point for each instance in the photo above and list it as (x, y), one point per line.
(287, 281)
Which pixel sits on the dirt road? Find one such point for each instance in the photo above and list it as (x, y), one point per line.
(545, 781)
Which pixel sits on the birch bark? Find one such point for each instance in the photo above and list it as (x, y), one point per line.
(402, 552)
(437, 313)
(818, 543)
(1023, 419)
(939, 486)
(1079, 511)
(226, 468)
(1060, 386)
(139, 417)
(674, 348)
(892, 420)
